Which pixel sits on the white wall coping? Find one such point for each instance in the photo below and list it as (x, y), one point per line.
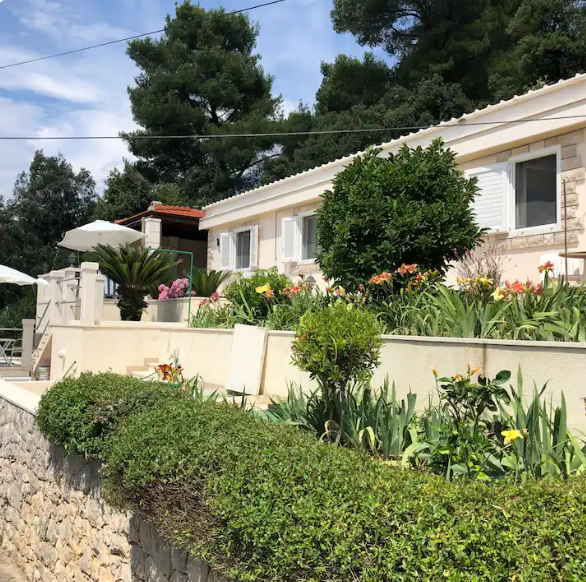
(19, 397)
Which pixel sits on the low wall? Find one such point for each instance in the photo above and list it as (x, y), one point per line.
(56, 527)
(405, 360)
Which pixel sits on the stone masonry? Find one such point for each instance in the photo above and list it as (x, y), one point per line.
(55, 526)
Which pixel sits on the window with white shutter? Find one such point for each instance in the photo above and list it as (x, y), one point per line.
(226, 251)
(289, 238)
(254, 247)
(491, 204)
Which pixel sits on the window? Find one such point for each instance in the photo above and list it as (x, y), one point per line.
(536, 192)
(308, 238)
(243, 249)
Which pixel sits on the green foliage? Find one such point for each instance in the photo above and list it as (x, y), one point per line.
(412, 207)
(262, 501)
(135, 270)
(373, 420)
(337, 345)
(207, 283)
(82, 413)
(243, 293)
(202, 77)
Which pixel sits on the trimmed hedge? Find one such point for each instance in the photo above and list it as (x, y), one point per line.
(266, 502)
(81, 413)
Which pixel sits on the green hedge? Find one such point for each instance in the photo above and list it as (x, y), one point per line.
(266, 502)
(81, 413)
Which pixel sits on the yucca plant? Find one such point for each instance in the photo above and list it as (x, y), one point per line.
(135, 270)
(207, 283)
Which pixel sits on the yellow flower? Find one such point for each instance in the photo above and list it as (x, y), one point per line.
(499, 294)
(264, 289)
(485, 281)
(511, 435)
(434, 371)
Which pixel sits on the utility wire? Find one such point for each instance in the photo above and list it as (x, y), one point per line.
(462, 123)
(94, 46)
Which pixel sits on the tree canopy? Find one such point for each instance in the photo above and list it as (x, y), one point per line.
(201, 78)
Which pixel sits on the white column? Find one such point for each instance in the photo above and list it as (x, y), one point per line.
(56, 297)
(99, 301)
(69, 295)
(89, 293)
(28, 340)
(152, 230)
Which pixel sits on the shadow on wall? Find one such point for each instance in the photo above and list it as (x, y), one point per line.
(134, 543)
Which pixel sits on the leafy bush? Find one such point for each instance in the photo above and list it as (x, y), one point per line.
(412, 207)
(337, 345)
(207, 283)
(243, 293)
(265, 502)
(81, 413)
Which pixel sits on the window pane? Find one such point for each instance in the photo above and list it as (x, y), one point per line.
(243, 250)
(309, 238)
(536, 192)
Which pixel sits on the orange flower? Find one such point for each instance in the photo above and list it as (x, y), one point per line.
(546, 267)
(457, 377)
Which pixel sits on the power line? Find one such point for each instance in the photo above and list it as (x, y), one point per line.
(94, 46)
(462, 123)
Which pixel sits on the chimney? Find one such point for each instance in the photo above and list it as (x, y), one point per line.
(154, 204)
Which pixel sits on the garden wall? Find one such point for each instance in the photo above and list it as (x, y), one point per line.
(54, 523)
(405, 360)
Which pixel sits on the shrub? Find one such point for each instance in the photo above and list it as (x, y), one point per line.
(265, 502)
(81, 413)
(243, 293)
(337, 345)
(207, 283)
(178, 289)
(413, 207)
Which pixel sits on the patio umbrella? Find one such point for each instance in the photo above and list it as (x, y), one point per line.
(8, 275)
(100, 232)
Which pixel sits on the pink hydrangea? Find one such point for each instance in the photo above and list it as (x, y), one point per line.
(179, 288)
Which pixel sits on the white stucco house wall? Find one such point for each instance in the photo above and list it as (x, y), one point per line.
(528, 154)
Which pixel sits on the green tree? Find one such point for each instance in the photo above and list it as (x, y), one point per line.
(128, 193)
(412, 207)
(201, 78)
(135, 271)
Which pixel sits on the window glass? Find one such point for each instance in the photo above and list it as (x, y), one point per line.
(309, 238)
(243, 250)
(536, 192)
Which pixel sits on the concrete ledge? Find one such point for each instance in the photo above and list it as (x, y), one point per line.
(20, 397)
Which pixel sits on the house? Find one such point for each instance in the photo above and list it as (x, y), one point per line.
(174, 228)
(528, 154)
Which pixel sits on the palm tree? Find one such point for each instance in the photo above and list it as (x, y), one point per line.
(135, 271)
(205, 283)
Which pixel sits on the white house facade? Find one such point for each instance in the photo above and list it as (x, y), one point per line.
(528, 154)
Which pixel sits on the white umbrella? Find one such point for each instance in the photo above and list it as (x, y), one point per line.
(100, 232)
(8, 275)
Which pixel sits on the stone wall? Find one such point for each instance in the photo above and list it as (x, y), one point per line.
(56, 527)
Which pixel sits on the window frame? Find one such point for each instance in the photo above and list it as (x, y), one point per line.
(236, 232)
(300, 217)
(512, 210)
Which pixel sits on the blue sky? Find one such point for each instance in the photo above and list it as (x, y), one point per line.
(85, 94)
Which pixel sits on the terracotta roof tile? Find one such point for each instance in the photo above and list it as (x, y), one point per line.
(170, 211)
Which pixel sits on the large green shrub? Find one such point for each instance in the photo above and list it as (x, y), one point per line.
(412, 207)
(243, 294)
(266, 502)
(81, 413)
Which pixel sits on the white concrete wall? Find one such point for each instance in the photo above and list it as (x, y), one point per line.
(122, 346)
(169, 311)
(523, 252)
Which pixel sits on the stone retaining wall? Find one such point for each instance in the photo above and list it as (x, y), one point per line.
(56, 527)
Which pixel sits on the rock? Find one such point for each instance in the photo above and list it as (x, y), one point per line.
(152, 573)
(137, 562)
(179, 559)
(179, 577)
(197, 571)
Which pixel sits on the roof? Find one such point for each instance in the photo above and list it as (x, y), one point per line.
(430, 131)
(167, 210)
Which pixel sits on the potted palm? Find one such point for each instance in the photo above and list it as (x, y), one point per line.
(135, 270)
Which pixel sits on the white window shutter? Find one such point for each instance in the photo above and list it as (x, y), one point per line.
(226, 251)
(289, 236)
(491, 205)
(254, 247)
